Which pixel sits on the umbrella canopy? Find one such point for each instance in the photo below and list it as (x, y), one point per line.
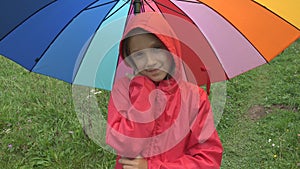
(77, 41)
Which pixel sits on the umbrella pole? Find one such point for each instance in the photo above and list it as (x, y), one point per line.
(137, 6)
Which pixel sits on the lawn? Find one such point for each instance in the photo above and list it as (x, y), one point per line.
(259, 127)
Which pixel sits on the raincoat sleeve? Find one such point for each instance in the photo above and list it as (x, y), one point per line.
(204, 148)
(124, 131)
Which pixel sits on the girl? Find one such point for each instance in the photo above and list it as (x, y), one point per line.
(156, 119)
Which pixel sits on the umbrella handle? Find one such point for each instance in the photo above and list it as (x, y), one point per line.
(137, 6)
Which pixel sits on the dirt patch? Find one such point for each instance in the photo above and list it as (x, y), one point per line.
(283, 107)
(257, 112)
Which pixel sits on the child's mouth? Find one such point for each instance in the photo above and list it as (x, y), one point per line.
(153, 70)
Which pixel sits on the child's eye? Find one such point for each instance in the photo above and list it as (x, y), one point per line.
(138, 55)
(157, 49)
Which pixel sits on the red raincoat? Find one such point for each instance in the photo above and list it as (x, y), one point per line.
(171, 123)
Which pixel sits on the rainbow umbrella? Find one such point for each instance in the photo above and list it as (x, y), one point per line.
(77, 41)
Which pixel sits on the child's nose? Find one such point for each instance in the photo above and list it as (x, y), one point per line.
(151, 61)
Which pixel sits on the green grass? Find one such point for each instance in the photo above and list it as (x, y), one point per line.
(259, 127)
(39, 127)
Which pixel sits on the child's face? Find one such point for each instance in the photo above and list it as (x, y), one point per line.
(150, 56)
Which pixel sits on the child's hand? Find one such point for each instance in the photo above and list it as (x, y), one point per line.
(130, 76)
(137, 163)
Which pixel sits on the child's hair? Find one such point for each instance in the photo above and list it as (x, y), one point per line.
(125, 48)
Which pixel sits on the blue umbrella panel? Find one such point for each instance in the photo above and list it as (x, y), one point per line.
(70, 40)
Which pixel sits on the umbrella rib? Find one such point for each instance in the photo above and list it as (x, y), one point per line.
(59, 34)
(106, 17)
(234, 28)
(150, 6)
(189, 1)
(169, 8)
(88, 8)
(203, 34)
(26, 19)
(142, 6)
(276, 15)
(129, 11)
(231, 25)
(131, 8)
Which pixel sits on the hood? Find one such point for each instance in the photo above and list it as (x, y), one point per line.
(156, 24)
(187, 63)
